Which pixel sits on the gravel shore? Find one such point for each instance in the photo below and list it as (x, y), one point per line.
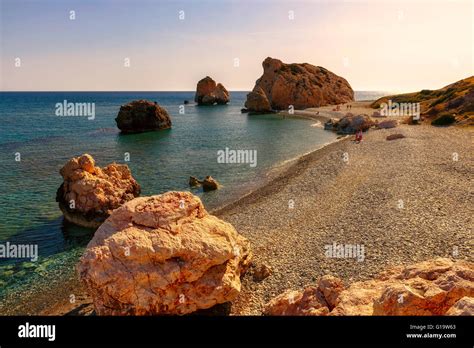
(405, 200)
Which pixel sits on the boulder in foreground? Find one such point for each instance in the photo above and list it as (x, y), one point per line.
(89, 193)
(434, 287)
(300, 85)
(210, 93)
(142, 116)
(163, 254)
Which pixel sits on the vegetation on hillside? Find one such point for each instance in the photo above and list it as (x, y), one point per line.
(455, 100)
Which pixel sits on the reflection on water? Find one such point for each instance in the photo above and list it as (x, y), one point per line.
(160, 161)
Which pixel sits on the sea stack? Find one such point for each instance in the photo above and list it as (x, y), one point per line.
(89, 193)
(181, 258)
(210, 93)
(142, 116)
(300, 85)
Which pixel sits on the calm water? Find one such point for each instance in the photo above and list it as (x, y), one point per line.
(160, 161)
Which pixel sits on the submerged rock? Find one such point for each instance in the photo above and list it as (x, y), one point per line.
(434, 287)
(89, 194)
(300, 85)
(142, 116)
(163, 255)
(193, 181)
(210, 93)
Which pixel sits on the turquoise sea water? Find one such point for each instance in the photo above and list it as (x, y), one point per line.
(160, 161)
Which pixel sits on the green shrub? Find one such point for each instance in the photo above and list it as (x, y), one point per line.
(444, 120)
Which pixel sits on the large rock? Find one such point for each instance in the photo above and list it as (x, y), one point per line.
(142, 116)
(349, 124)
(434, 287)
(257, 101)
(210, 93)
(301, 85)
(163, 255)
(89, 194)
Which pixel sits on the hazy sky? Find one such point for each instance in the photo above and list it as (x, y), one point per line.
(374, 44)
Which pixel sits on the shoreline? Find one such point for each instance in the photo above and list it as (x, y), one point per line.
(83, 305)
(290, 241)
(276, 181)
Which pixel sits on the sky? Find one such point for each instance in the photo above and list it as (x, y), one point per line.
(397, 46)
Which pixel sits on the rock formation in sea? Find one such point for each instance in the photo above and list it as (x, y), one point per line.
(434, 287)
(163, 254)
(142, 116)
(300, 85)
(349, 124)
(208, 184)
(89, 193)
(210, 93)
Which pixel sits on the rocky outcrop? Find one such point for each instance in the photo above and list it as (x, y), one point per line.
(300, 85)
(434, 287)
(89, 193)
(142, 116)
(257, 101)
(349, 124)
(210, 93)
(163, 254)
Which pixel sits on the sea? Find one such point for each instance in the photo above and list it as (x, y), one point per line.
(35, 143)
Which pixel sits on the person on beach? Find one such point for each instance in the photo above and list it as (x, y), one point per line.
(358, 136)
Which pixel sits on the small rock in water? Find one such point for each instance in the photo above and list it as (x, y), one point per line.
(209, 184)
(193, 181)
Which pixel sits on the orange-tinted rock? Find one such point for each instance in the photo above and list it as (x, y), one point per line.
(434, 287)
(300, 85)
(142, 116)
(331, 287)
(88, 193)
(210, 93)
(464, 307)
(257, 101)
(163, 255)
(309, 302)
